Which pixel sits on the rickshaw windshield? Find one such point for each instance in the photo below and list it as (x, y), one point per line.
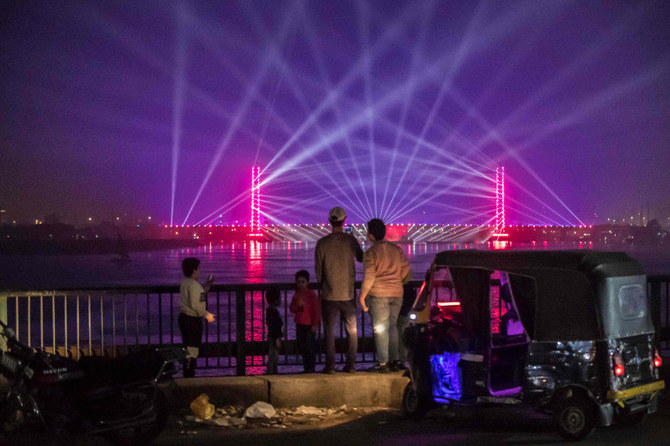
(443, 294)
(437, 297)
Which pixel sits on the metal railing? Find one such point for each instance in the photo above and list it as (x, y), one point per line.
(115, 321)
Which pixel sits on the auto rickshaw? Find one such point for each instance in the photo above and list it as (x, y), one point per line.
(566, 332)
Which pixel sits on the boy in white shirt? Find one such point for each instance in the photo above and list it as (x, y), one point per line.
(193, 302)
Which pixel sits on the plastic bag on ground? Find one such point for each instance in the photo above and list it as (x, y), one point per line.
(260, 409)
(202, 408)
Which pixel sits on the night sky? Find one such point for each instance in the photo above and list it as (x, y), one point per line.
(395, 109)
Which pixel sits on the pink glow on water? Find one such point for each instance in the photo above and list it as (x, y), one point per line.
(255, 329)
(254, 260)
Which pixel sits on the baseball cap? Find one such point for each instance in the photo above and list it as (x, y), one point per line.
(336, 214)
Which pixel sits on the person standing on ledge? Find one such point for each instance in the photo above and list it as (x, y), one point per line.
(193, 302)
(386, 269)
(336, 273)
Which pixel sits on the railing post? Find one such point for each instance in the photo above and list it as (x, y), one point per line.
(240, 329)
(3, 318)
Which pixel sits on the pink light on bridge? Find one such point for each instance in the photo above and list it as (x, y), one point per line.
(499, 226)
(255, 219)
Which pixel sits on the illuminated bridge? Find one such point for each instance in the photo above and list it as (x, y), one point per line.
(494, 230)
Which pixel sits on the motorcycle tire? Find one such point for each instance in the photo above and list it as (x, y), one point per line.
(144, 435)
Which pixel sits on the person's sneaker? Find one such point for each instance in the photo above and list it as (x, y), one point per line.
(379, 368)
(349, 369)
(328, 370)
(396, 366)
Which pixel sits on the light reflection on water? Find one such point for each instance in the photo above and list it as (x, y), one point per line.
(250, 262)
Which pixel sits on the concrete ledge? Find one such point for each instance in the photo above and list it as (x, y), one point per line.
(356, 390)
(222, 391)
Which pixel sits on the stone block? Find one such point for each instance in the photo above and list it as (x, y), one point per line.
(222, 391)
(355, 390)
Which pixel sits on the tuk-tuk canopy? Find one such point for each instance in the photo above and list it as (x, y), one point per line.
(560, 302)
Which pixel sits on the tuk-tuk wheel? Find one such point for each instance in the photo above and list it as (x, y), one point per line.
(412, 404)
(575, 418)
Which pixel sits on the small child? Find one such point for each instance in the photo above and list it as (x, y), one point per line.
(193, 303)
(307, 310)
(274, 324)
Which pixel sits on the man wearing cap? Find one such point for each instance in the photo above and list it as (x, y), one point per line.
(335, 271)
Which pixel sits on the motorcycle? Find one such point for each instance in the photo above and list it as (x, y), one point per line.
(118, 399)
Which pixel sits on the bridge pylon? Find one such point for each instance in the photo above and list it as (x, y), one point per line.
(499, 222)
(255, 217)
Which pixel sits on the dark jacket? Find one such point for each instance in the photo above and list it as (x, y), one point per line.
(274, 323)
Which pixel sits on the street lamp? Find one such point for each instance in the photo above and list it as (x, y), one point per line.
(2, 211)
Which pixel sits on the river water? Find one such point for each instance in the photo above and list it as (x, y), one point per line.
(252, 262)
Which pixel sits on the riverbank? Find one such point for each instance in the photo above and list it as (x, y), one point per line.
(89, 247)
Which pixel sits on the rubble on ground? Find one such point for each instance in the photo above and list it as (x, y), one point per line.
(264, 415)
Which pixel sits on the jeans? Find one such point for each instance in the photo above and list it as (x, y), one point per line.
(306, 346)
(384, 311)
(332, 309)
(403, 322)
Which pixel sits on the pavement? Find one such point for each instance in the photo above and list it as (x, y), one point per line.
(364, 409)
(387, 427)
(353, 409)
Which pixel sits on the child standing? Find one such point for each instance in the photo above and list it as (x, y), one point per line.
(193, 302)
(274, 324)
(307, 310)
